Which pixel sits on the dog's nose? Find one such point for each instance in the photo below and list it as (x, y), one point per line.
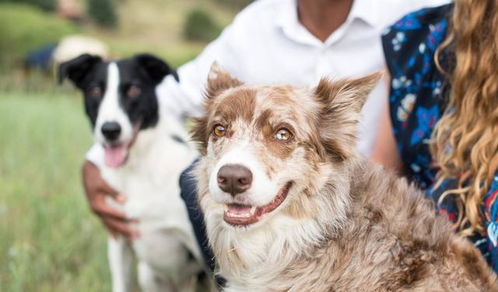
(234, 178)
(111, 130)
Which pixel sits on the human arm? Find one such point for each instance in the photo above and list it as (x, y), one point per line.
(385, 151)
(97, 191)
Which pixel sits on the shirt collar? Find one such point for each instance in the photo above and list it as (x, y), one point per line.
(364, 10)
(287, 15)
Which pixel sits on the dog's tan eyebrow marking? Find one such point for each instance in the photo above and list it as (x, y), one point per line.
(268, 121)
(239, 103)
(263, 119)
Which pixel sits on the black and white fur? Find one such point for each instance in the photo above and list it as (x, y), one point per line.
(143, 154)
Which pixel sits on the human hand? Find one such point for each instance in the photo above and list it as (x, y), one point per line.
(97, 191)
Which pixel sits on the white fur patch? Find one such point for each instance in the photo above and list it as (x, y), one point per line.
(110, 109)
(262, 190)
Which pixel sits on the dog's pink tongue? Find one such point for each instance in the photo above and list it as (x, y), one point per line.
(115, 156)
(239, 209)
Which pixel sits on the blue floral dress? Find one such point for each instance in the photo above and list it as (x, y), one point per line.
(417, 102)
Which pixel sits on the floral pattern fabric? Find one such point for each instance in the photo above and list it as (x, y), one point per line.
(417, 102)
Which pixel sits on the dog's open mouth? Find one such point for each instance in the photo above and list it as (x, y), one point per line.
(116, 155)
(242, 215)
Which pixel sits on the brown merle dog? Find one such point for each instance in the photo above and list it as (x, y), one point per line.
(290, 205)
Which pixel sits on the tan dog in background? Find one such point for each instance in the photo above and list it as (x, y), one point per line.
(291, 206)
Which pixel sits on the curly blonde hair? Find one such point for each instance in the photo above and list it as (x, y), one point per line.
(465, 140)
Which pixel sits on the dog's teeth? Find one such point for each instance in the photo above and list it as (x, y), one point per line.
(241, 215)
(247, 213)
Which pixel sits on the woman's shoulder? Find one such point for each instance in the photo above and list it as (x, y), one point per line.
(419, 32)
(423, 18)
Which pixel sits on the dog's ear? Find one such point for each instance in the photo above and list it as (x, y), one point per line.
(341, 102)
(77, 68)
(156, 68)
(346, 94)
(219, 80)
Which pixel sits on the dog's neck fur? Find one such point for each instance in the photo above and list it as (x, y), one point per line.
(165, 129)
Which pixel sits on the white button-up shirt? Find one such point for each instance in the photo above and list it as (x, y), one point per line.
(267, 44)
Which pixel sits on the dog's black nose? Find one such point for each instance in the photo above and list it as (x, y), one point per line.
(234, 178)
(111, 130)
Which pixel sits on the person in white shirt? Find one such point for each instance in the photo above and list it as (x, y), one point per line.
(276, 41)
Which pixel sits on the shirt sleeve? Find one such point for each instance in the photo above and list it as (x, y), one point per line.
(491, 210)
(414, 36)
(415, 99)
(491, 220)
(184, 99)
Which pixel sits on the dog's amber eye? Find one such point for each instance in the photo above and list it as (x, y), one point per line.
(134, 91)
(95, 91)
(283, 135)
(219, 130)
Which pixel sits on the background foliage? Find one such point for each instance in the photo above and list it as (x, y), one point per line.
(103, 12)
(25, 27)
(47, 5)
(48, 239)
(200, 26)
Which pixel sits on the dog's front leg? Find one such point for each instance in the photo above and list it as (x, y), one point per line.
(120, 256)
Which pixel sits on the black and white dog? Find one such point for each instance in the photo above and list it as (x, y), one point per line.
(143, 152)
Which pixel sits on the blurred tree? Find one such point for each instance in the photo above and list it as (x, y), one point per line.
(47, 5)
(199, 26)
(25, 28)
(103, 12)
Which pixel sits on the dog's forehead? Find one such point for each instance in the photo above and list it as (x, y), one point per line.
(98, 74)
(280, 100)
(234, 104)
(130, 71)
(251, 103)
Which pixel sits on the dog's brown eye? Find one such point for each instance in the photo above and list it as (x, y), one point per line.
(95, 92)
(134, 91)
(283, 135)
(219, 130)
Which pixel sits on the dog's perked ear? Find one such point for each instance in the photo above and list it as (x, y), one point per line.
(155, 68)
(78, 68)
(219, 80)
(341, 102)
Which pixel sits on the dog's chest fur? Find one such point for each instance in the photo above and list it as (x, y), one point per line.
(149, 180)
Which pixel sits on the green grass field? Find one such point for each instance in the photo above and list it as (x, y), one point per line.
(49, 240)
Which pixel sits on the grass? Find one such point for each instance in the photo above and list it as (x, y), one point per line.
(49, 241)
